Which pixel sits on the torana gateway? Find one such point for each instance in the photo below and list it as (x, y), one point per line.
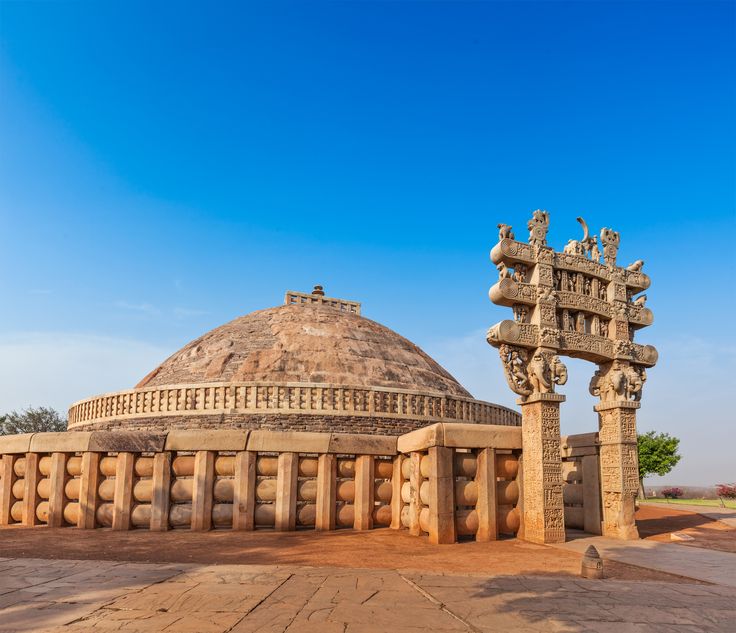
(310, 416)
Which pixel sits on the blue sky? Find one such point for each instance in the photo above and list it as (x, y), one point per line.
(165, 168)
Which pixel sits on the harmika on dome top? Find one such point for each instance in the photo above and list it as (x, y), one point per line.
(313, 364)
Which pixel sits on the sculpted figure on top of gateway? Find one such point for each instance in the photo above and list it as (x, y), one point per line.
(569, 303)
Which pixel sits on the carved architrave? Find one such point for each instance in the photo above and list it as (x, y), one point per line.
(582, 308)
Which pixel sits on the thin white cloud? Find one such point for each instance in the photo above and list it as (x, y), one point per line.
(145, 308)
(56, 369)
(183, 313)
(149, 310)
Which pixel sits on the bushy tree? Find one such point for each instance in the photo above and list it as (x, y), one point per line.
(32, 420)
(672, 493)
(657, 455)
(726, 491)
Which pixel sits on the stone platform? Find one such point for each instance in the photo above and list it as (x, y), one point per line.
(61, 595)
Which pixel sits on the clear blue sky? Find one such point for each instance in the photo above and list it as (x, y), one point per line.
(166, 167)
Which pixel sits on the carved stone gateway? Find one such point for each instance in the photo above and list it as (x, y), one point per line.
(569, 303)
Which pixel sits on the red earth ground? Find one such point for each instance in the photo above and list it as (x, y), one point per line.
(657, 523)
(377, 549)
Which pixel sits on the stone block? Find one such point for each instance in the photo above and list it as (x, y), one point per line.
(126, 441)
(206, 440)
(64, 442)
(578, 451)
(20, 443)
(591, 495)
(422, 439)
(289, 442)
(574, 517)
(462, 435)
(581, 439)
(359, 444)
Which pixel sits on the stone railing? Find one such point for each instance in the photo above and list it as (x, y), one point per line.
(441, 480)
(460, 480)
(302, 398)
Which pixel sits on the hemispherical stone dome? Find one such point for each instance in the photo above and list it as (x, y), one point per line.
(305, 344)
(313, 364)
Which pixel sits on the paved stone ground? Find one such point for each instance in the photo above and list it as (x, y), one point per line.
(701, 564)
(74, 596)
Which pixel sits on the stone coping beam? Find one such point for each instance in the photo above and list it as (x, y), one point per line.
(458, 435)
(198, 440)
(441, 434)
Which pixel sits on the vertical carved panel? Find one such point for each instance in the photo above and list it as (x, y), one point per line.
(542, 485)
(618, 467)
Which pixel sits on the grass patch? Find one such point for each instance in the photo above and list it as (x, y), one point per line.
(711, 503)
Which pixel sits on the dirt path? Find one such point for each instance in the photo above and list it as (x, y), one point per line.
(658, 522)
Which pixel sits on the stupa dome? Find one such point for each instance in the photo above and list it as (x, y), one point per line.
(312, 364)
(311, 343)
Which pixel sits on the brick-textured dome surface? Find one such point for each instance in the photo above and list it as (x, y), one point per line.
(307, 344)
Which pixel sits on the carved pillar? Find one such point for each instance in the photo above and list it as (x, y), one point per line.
(161, 493)
(619, 467)
(397, 483)
(364, 501)
(57, 496)
(441, 495)
(544, 517)
(326, 492)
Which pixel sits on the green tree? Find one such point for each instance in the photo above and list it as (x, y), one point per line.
(32, 420)
(657, 455)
